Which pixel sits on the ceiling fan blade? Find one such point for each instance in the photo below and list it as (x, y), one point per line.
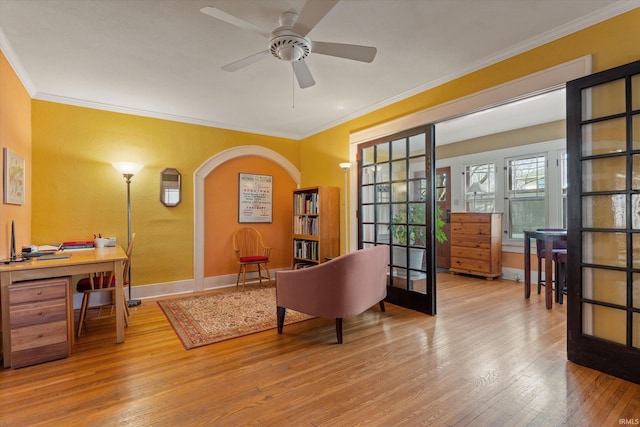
(312, 12)
(241, 63)
(303, 75)
(235, 21)
(348, 51)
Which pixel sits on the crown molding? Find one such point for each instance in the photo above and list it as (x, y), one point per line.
(15, 63)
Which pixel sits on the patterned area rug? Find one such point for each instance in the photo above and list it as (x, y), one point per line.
(222, 315)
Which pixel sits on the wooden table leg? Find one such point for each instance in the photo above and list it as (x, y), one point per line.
(548, 271)
(527, 266)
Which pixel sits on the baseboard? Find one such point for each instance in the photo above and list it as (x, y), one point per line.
(180, 287)
(184, 287)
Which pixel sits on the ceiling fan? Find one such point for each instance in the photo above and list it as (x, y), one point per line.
(289, 42)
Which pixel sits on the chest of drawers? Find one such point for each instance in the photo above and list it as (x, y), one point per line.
(476, 243)
(39, 318)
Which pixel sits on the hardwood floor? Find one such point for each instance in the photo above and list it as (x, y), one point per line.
(489, 357)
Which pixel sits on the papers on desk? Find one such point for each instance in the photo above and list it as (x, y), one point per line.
(53, 256)
(76, 249)
(43, 252)
(48, 248)
(50, 252)
(33, 251)
(80, 244)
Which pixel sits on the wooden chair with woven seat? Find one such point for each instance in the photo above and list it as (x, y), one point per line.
(251, 251)
(103, 282)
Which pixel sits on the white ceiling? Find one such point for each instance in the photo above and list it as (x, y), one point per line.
(162, 58)
(530, 111)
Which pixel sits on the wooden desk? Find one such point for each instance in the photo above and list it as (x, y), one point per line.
(549, 237)
(80, 262)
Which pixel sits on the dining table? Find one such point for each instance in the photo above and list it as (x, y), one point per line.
(549, 237)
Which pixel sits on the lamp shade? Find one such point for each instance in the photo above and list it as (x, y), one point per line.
(128, 168)
(475, 188)
(345, 166)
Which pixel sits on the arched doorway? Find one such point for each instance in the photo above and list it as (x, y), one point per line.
(199, 178)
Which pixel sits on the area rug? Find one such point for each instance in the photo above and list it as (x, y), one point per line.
(221, 315)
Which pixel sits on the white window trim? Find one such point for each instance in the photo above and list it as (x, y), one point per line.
(547, 201)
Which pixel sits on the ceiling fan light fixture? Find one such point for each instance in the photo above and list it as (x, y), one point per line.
(289, 42)
(289, 53)
(290, 47)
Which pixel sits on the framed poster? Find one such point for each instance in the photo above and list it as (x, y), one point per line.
(13, 178)
(255, 198)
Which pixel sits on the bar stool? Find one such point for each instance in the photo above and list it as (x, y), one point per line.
(558, 245)
(560, 258)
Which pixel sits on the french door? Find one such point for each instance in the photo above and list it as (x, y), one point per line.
(603, 142)
(396, 208)
(443, 201)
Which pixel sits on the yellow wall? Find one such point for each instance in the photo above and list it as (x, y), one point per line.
(15, 133)
(78, 193)
(611, 43)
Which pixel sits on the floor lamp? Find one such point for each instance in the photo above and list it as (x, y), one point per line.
(128, 170)
(345, 167)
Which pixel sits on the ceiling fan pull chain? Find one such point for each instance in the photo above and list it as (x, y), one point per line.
(293, 89)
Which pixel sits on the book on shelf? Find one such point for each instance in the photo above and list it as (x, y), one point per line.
(306, 225)
(303, 264)
(305, 249)
(306, 203)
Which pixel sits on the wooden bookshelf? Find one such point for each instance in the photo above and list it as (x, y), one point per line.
(316, 225)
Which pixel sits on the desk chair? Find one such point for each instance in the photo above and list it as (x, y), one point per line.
(542, 253)
(251, 251)
(103, 282)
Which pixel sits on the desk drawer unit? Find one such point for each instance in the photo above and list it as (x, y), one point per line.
(39, 319)
(476, 244)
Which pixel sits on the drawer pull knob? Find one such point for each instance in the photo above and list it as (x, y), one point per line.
(40, 335)
(39, 293)
(40, 313)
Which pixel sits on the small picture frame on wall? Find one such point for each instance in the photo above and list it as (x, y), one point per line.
(13, 178)
(255, 198)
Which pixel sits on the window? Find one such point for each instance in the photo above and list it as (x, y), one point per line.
(480, 187)
(563, 186)
(525, 196)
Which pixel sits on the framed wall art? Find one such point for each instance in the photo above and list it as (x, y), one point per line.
(13, 178)
(255, 198)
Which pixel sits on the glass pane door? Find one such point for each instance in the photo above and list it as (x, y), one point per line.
(604, 221)
(443, 209)
(396, 205)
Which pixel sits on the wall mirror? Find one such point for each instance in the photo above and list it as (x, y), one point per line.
(170, 187)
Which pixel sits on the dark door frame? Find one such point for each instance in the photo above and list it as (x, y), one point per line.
(621, 360)
(402, 296)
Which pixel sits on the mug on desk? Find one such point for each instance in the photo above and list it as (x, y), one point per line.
(99, 242)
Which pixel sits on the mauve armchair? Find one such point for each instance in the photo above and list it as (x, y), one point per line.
(342, 287)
